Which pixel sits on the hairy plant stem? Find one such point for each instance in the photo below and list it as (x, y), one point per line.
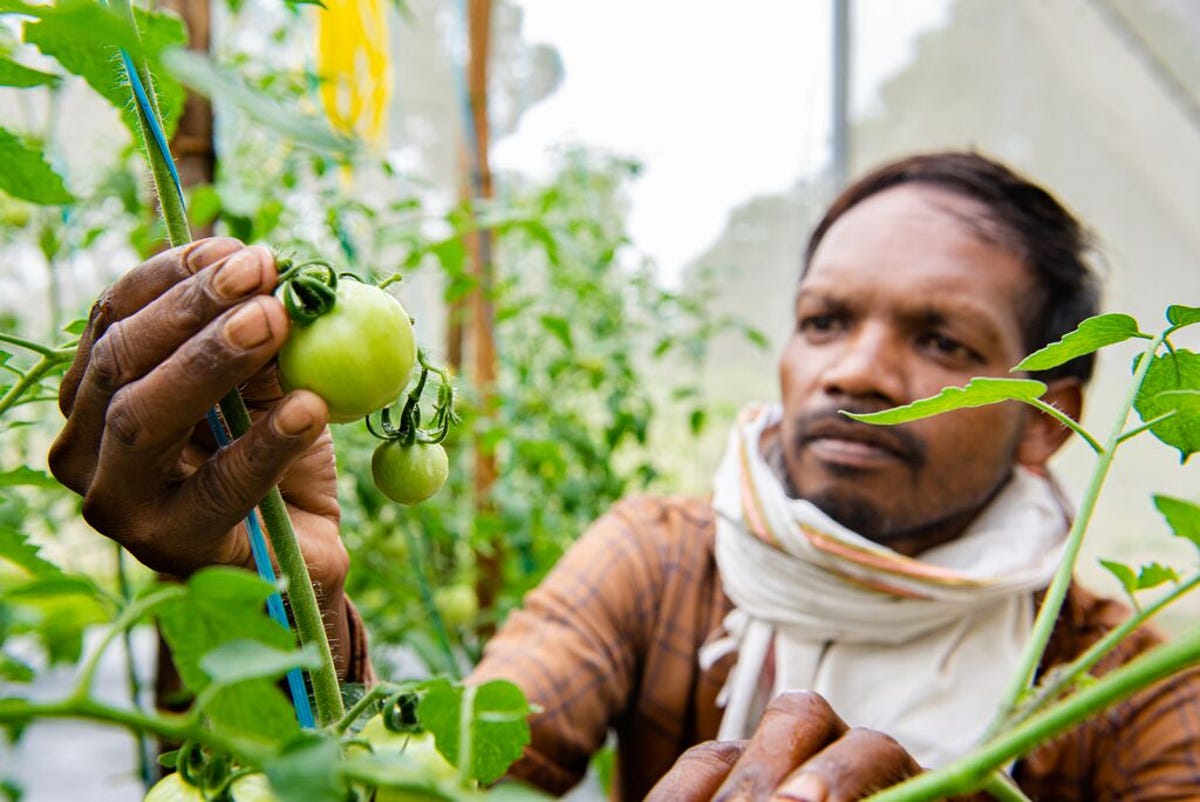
(1063, 679)
(48, 359)
(307, 612)
(980, 767)
(973, 771)
(1051, 606)
(170, 726)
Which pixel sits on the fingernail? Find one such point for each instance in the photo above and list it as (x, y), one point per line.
(293, 418)
(240, 274)
(248, 327)
(802, 788)
(209, 252)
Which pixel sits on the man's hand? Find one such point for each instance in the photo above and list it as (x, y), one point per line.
(800, 751)
(161, 347)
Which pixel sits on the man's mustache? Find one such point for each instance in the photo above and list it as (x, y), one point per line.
(831, 423)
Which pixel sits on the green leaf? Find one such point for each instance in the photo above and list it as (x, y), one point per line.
(13, 669)
(307, 771)
(1151, 575)
(560, 327)
(16, 548)
(1182, 516)
(85, 38)
(212, 80)
(977, 393)
(14, 74)
(224, 605)
(76, 326)
(1091, 335)
(499, 723)
(1183, 315)
(1124, 574)
(24, 476)
(240, 660)
(27, 175)
(1173, 384)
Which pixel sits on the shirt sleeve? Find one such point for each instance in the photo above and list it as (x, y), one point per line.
(1152, 749)
(575, 647)
(359, 668)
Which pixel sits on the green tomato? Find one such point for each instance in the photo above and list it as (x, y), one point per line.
(409, 474)
(420, 755)
(358, 356)
(173, 788)
(456, 604)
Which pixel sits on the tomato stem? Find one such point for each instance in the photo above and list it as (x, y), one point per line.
(309, 626)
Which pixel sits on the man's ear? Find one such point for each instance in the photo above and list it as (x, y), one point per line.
(1043, 434)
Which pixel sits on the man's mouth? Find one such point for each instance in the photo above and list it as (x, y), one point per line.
(834, 439)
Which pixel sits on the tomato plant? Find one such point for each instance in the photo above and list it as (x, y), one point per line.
(357, 355)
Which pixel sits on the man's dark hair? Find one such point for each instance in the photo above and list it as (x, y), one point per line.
(1021, 216)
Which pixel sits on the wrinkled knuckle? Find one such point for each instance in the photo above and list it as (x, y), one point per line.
(803, 705)
(105, 362)
(886, 749)
(123, 421)
(216, 488)
(62, 462)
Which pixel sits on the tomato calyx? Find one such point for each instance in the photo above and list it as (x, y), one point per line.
(308, 289)
(409, 432)
(410, 465)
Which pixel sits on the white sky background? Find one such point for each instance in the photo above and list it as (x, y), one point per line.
(720, 101)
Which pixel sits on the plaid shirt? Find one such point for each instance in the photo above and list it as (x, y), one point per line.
(610, 638)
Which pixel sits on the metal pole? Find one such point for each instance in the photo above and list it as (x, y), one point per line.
(841, 92)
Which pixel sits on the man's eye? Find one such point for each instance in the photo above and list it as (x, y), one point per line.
(819, 323)
(948, 346)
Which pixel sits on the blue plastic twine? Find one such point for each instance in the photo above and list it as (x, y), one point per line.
(258, 543)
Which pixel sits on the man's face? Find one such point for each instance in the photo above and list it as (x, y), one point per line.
(901, 299)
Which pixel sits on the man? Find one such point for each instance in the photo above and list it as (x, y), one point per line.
(892, 571)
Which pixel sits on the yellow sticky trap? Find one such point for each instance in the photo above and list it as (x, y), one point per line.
(354, 64)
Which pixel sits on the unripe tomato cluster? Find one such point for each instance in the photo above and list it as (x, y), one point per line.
(358, 355)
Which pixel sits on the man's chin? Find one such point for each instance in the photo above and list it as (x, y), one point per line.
(853, 512)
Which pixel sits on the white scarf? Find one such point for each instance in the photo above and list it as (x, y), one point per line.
(919, 649)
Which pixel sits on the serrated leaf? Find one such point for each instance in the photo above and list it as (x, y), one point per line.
(1151, 575)
(1172, 384)
(1178, 315)
(1124, 574)
(241, 660)
(978, 392)
(18, 75)
(1182, 516)
(224, 605)
(212, 80)
(1091, 335)
(24, 476)
(16, 548)
(26, 174)
(499, 722)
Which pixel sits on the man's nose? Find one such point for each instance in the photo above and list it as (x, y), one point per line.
(869, 364)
